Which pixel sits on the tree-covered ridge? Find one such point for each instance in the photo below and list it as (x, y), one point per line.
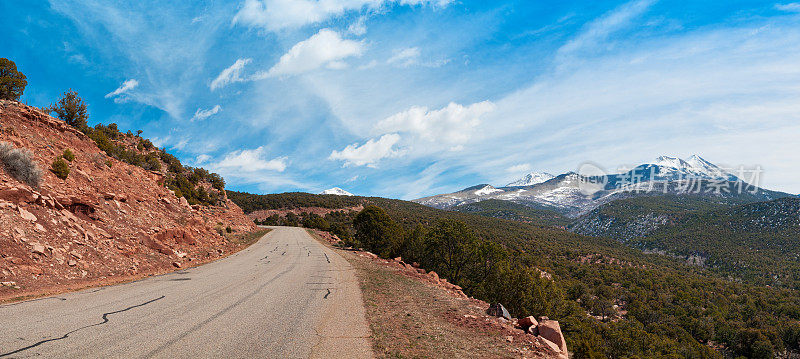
(612, 300)
(513, 211)
(251, 203)
(629, 218)
(757, 243)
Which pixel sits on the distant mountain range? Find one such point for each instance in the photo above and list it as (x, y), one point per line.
(574, 194)
(337, 191)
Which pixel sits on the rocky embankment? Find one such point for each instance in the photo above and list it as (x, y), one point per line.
(106, 222)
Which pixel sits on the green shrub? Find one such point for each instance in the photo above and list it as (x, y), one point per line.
(72, 110)
(173, 164)
(12, 82)
(377, 232)
(68, 155)
(60, 168)
(151, 162)
(19, 164)
(228, 229)
(216, 181)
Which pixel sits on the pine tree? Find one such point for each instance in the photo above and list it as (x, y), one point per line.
(12, 82)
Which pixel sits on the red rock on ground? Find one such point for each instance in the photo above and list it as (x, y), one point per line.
(528, 322)
(551, 330)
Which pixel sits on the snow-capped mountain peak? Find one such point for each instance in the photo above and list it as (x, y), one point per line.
(695, 166)
(701, 165)
(531, 179)
(671, 162)
(337, 191)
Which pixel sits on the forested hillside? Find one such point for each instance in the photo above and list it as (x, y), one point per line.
(513, 211)
(612, 300)
(629, 218)
(758, 242)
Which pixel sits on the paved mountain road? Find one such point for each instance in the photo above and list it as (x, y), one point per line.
(286, 296)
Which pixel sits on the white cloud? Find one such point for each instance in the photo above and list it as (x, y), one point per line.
(250, 161)
(358, 28)
(325, 48)
(788, 7)
(124, 88)
(405, 57)
(202, 114)
(410, 56)
(202, 159)
(452, 125)
(230, 75)
(595, 33)
(369, 153)
(275, 15)
(520, 168)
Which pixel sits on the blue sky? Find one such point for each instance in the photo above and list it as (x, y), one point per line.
(411, 98)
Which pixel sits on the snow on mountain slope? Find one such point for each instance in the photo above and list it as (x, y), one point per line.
(337, 191)
(702, 166)
(695, 166)
(485, 190)
(565, 194)
(531, 179)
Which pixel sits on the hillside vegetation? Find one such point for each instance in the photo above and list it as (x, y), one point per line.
(754, 242)
(612, 300)
(516, 212)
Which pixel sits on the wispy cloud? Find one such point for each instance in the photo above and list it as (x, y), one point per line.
(230, 75)
(126, 86)
(597, 32)
(157, 42)
(202, 114)
(405, 57)
(275, 15)
(788, 7)
(359, 27)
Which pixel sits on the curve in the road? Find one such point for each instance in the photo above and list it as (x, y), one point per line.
(285, 296)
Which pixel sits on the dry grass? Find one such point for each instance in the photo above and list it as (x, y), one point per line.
(412, 319)
(19, 164)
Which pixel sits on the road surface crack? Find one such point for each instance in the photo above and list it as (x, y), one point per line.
(105, 320)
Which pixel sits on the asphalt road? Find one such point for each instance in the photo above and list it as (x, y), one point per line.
(286, 296)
